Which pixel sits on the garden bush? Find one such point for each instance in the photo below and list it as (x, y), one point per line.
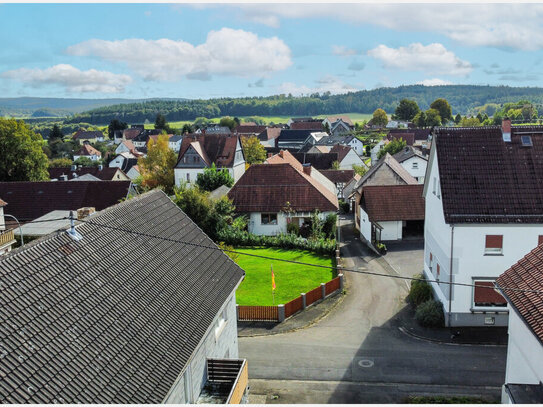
(345, 206)
(430, 314)
(419, 292)
(329, 226)
(293, 228)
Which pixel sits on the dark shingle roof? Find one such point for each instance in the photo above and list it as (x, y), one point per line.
(338, 175)
(104, 174)
(249, 129)
(86, 135)
(219, 148)
(407, 153)
(419, 134)
(526, 274)
(30, 200)
(318, 161)
(313, 125)
(393, 202)
(268, 187)
(114, 317)
(294, 135)
(486, 180)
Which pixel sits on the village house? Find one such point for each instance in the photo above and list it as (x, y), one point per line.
(292, 139)
(125, 161)
(374, 153)
(320, 161)
(413, 161)
(88, 136)
(77, 171)
(340, 178)
(276, 195)
(524, 369)
(338, 124)
(7, 238)
(249, 130)
(98, 326)
(483, 212)
(349, 141)
(88, 151)
(127, 146)
(313, 124)
(347, 157)
(267, 137)
(387, 171)
(133, 172)
(202, 151)
(391, 212)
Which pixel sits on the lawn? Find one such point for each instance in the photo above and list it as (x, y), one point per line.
(290, 279)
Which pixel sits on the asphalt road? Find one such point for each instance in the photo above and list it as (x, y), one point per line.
(357, 354)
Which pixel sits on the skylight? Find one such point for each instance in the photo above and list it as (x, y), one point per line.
(526, 141)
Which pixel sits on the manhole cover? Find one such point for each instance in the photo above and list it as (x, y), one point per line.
(365, 363)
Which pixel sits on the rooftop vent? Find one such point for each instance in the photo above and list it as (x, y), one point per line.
(506, 130)
(526, 141)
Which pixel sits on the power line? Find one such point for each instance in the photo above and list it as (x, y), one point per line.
(338, 269)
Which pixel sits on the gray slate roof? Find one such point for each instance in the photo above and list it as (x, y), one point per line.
(112, 318)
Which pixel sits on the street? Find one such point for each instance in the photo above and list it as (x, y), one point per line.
(357, 354)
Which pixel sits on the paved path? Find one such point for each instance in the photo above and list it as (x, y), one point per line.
(359, 342)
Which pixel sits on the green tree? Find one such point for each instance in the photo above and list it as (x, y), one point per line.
(60, 162)
(212, 178)
(335, 165)
(55, 133)
(194, 202)
(186, 128)
(433, 117)
(406, 110)
(470, 122)
(458, 118)
(379, 118)
(480, 117)
(21, 154)
(444, 109)
(392, 148)
(420, 119)
(252, 149)
(87, 162)
(157, 168)
(360, 169)
(162, 124)
(201, 122)
(228, 122)
(115, 124)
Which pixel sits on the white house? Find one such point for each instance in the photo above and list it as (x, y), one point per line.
(483, 212)
(155, 320)
(378, 147)
(275, 195)
(347, 157)
(202, 151)
(413, 161)
(391, 212)
(124, 161)
(334, 121)
(175, 142)
(524, 369)
(349, 141)
(88, 151)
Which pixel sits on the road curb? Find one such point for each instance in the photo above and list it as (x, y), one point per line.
(422, 338)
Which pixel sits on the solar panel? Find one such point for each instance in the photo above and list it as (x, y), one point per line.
(526, 141)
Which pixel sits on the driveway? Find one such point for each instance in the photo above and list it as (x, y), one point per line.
(357, 354)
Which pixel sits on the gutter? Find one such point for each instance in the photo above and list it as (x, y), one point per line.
(450, 276)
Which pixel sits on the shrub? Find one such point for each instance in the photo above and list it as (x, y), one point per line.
(345, 206)
(329, 226)
(430, 314)
(293, 228)
(419, 292)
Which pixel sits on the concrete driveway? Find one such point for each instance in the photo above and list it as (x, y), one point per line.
(357, 354)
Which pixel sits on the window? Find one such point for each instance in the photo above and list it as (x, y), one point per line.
(434, 188)
(494, 244)
(431, 260)
(438, 270)
(415, 165)
(485, 295)
(188, 177)
(268, 219)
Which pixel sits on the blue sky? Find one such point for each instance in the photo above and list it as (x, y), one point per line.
(203, 51)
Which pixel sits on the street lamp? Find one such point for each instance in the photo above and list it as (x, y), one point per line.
(20, 229)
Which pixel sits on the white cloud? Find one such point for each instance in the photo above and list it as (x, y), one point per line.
(509, 25)
(327, 84)
(342, 51)
(434, 82)
(71, 78)
(225, 52)
(432, 58)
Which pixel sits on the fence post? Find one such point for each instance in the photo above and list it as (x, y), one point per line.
(281, 312)
(304, 304)
(323, 290)
(237, 312)
(340, 281)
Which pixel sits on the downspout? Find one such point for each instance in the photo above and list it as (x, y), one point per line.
(450, 276)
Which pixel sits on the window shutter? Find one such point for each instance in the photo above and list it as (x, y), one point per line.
(494, 241)
(438, 270)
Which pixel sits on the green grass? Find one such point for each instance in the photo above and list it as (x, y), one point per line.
(290, 279)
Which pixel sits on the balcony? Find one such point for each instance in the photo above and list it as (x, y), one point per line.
(6, 240)
(227, 382)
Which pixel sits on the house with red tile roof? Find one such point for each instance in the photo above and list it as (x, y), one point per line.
(88, 151)
(89, 136)
(391, 212)
(413, 161)
(520, 285)
(200, 151)
(275, 195)
(484, 211)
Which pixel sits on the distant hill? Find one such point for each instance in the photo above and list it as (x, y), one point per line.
(463, 99)
(57, 107)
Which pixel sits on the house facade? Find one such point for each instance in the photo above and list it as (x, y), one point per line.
(482, 215)
(202, 151)
(524, 369)
(7, 238)
(413, 161)
(88, 151)
(275, 195)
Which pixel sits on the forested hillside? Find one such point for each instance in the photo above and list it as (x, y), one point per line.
(463, 99)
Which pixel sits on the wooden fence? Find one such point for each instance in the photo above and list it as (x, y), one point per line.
(279, 312)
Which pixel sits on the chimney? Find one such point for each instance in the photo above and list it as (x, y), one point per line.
(506, 129)
(307, 169)
(281, 153)
(100, 167)
(73, 167)
(63, 177)
(84, 212)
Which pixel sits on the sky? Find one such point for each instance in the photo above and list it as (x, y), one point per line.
(236, 50)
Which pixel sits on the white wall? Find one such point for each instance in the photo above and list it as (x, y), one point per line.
(255, 225)
(117, 162)
(122, 149)
(350, 159)
(180, 175)
(93, 157)
(365, 225)
(419, 172)
(224, 345)
(237, 171)
(375, 150)
(133, 173)
(357, 146)
(392, 230)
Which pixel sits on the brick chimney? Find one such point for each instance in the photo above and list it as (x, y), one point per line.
(270, 155)
(506, 129)
(281, 153)
(307, 169)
